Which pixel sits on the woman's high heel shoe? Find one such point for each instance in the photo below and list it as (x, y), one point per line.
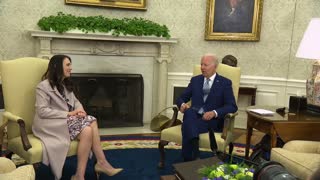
(113, 172)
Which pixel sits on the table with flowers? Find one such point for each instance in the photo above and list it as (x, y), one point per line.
(213, 169)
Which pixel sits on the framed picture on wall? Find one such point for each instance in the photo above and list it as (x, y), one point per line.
(128, 4)
(238, 20)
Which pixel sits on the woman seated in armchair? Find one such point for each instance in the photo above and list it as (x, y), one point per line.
(60, 118)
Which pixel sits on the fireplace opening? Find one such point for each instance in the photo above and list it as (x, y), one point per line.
(116, 100)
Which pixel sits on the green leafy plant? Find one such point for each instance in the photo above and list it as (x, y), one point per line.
(126, 26)
(226, 171)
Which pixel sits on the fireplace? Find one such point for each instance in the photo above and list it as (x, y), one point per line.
(115, 99)
(102, 53)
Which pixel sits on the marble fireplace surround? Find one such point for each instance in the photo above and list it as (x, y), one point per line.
(101, 53)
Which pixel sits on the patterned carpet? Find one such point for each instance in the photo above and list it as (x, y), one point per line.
(143, 141)
(130, 142)
(133, 141)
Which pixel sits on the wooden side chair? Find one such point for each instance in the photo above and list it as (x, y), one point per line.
(173, 133)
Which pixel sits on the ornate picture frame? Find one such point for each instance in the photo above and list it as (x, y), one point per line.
(127, 4)
(235, 20)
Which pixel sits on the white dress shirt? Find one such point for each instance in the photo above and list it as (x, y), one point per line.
(211, 80)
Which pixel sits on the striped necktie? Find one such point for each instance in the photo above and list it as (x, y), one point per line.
(206, 89)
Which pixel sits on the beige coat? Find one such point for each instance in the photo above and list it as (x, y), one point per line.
(50, 124)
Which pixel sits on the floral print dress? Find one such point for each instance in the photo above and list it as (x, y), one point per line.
(77, 124)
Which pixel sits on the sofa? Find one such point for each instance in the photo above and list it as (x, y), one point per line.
(300, 158)
(8, 171)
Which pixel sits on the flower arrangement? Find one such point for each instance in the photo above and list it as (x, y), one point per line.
(225, 171)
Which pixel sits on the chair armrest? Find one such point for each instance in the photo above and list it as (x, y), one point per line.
(11, 117)
(303, 146)
(228, 126)
(173, 121)
(231, 115)
(23, 133)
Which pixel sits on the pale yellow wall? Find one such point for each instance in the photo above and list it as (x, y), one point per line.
(270, 56)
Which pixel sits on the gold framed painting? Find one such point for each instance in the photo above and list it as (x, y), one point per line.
(238, 20)
(128, 4)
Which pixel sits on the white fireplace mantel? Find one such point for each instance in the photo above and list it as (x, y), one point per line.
(99, 44)
(101, 37)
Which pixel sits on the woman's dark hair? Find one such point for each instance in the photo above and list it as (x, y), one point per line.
(230, 60)
(55, 74)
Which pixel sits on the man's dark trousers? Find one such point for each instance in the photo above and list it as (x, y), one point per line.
(192, 126)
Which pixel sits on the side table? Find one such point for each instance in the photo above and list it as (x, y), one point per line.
(289, 126)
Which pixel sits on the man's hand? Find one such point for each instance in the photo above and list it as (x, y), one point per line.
(209, 115)
(184, 107)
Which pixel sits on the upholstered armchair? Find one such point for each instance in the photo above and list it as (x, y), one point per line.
(173, 133)
(300, 158)
(19, 80)
(9, 171)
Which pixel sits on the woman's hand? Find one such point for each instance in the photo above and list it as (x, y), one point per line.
(78, 113)
(81, 113)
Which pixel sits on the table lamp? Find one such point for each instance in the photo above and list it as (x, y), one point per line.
(310, 49)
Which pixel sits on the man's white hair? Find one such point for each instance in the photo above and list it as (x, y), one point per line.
(214, 57)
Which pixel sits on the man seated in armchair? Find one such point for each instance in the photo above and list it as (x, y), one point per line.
(212, 98)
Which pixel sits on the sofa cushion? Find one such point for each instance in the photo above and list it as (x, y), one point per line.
(24, 172)
(6, 165)
(300, 164)
(303, 146)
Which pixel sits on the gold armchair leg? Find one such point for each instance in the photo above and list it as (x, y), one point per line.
(230, 148)
(161, 145)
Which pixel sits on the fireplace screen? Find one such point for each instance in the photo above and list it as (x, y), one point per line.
(115, 99)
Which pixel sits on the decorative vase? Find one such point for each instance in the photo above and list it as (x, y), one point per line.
(313, 86)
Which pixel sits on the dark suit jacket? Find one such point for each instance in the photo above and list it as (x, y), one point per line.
(220, 98)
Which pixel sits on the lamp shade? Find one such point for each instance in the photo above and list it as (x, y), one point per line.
(310, 44)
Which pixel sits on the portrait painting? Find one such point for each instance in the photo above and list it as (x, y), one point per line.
(233, 20)
(128, 4)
